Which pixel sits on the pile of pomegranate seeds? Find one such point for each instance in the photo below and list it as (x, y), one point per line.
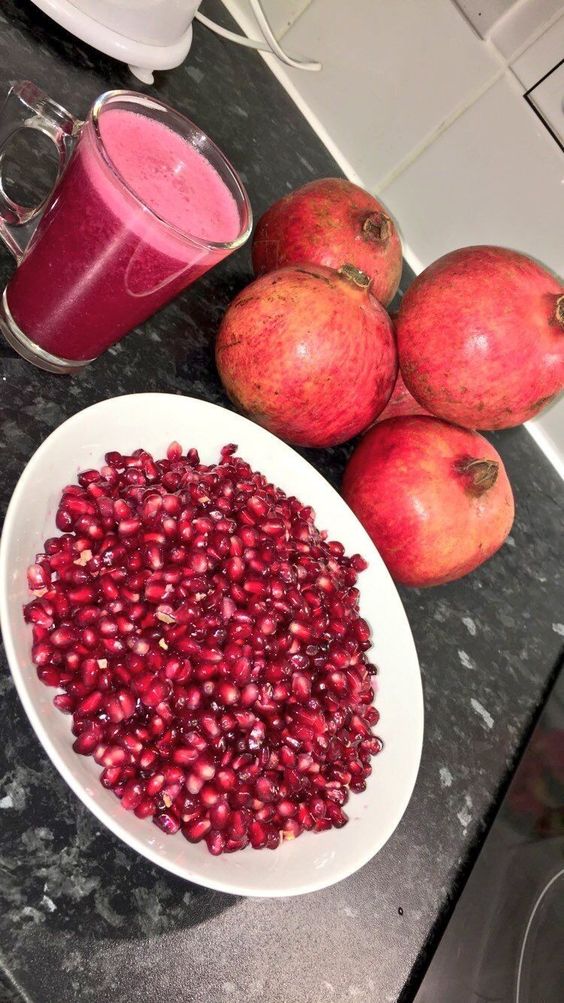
(207, 640)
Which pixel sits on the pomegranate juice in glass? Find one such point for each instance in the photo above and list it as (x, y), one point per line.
(145, 205)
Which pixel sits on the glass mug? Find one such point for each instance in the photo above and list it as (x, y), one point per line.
(144, 203)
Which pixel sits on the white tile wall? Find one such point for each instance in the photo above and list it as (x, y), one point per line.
(540, 57)
(281, 14)
(547, 98)
(385, 85)
(485, 180)
(523, 23)
(484, 14)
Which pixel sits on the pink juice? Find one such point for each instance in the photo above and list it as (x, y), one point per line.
(100, 262)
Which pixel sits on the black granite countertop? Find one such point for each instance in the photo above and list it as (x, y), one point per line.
(82, 918)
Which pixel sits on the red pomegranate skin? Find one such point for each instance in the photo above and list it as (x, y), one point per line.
(400, 403)
(481, 337)
(308, 354)
(331, 222)
(433, 512)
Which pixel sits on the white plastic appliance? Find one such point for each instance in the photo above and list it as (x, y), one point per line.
(152, 34)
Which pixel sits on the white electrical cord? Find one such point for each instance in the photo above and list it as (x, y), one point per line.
(269, 44)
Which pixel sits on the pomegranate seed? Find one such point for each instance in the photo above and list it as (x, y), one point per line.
(63, 637)
(258, 834)
(64, 703)
(184, 755)
(286, 809)
(227, 693)
(226, 779)
(272, 838)
(301, 686)
(300, 630)
(91, 703)
(200, 605)
(291, 828)
(194, 783)
(249, 695)
(197, 830)
(155, 784)
(87, 741)
(114, 756)
(167, 822)
(208, 795)
(220, 815)
(132, 795)
(215, 842)
(38, 577)
(111, 777)
(266, 790)
(145, 808)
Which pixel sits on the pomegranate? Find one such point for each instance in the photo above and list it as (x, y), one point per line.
(481, 337)
(207, 642)
(400, 403)
(331, 222)
(435, 498)
(309, 353)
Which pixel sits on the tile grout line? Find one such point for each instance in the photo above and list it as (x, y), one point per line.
(295, 20)
(505, 68)
(434, 134)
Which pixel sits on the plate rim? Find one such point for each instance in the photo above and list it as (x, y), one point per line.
(97, 809)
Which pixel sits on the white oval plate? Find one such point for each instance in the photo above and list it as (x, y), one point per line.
(152, 421)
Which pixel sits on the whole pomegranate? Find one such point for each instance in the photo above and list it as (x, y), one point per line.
(331, 222)
(309, 353)
(481, 337)
(435, 498)
(400, 403)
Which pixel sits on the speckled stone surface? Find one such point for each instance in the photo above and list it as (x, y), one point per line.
(83, 919)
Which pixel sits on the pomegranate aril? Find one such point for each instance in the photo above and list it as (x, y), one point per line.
(38, 577)
(167, 822)
(87, 741)
(226, 779)
(111, 777)
(90, 704)
(301, 686)
(41, 653)
(257, 613)
(220, 815)
(232, 845)
(227, 693)
(208, 795)
(63, 637)
(215, 842)
(132, 795)
(64, 703)
(291, 828)
(145, 808)
(195, 831)
(258, 834)
(265, 814)
(272, 838)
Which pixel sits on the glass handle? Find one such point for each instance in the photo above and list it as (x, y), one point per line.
(27, 107)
